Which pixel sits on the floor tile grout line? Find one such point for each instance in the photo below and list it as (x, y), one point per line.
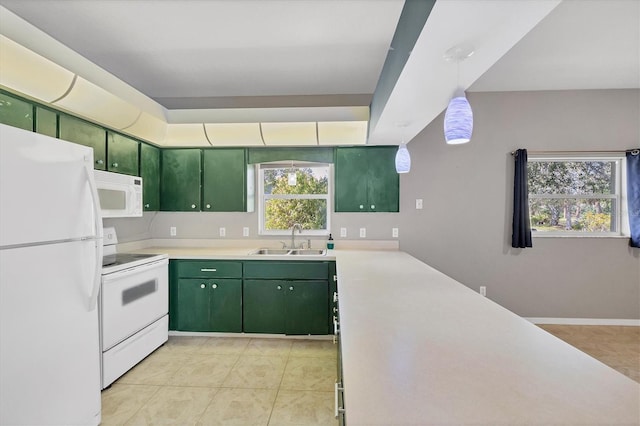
(284, 370)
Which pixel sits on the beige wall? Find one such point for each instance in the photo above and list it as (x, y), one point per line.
(464, 229)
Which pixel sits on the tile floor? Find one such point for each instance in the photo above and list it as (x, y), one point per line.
(227, 381)
(616, 346)
(245, 381)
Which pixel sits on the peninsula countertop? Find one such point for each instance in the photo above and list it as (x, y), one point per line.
(419, 348)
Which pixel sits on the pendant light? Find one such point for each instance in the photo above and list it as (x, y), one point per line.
(458, 119)
(403, 159)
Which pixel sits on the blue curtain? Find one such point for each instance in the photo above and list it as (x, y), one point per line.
(633, 195)
(521, 236)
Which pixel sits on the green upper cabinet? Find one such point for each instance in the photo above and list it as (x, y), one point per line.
(224, 180)
(180, 180)
(16, 112)
(122, 153)
(150, 174)
(366, 179)
(46, 122)
(79, 131)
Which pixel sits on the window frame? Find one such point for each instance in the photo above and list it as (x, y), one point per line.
(620, 216)
(262, 197)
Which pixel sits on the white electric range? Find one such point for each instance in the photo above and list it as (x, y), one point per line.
(134, 307)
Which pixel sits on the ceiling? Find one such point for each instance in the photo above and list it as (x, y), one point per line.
(200, 58)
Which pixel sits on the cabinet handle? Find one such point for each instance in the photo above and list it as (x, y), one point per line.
(146, 206)
(193, 206)
(373, 206)
(361, 207)
(335, 278)
(279, 287)
(208, 206)
(338, 409)
(101, 162)
(214, 286)
(335, 309)
(291, 288)
(202, 286)
(114, 165)
(335, 297)
(208, 270)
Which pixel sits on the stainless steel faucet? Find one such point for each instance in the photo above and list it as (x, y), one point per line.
(293, 235)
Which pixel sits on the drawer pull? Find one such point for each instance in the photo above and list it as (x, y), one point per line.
(202, 286)
(279, 287)
(214, 286)
(208, 270)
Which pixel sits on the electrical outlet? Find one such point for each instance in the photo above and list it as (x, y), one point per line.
(394, 232)
(363, 232)
(343, 232)
(223, 231)
(418, 203)
(483, 290)
(172, 231)
(245, 231)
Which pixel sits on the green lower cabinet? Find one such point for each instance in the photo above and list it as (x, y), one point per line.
(209, 305)
(283, 306)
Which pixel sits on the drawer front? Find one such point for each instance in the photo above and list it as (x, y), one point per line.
(298, 270)
(209, 269)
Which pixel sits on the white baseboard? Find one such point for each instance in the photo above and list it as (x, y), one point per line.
(585, 321)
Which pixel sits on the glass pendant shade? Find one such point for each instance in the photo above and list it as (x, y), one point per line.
(458, 121)
(403, 159)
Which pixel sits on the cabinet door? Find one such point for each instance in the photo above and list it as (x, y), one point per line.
(263, 306)
(150, 174)
(46, 122)
(180, 180)
(307, 307)
(75, 130)
(193, 305)
(122, 154)
(224, 183)
(383, 183)
(350, 180)
(225, 310)
(16, 112)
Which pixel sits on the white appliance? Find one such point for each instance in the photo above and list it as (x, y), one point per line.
(120, 195)
(134, 307)
(50, 266)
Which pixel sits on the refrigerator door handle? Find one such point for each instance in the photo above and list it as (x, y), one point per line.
(97, 277)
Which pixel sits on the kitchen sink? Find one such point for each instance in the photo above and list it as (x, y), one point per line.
(308, 252)
(271, 251)
(288, 252)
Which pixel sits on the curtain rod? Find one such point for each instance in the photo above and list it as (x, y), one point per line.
(576, 152)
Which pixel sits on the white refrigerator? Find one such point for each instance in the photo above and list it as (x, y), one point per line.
(50, 267)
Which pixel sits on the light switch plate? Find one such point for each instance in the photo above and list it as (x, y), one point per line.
(223, 231)
(172, 231)
(245, 231)
(418, 203)
(363, 232)
(343, 232)
(394, 232)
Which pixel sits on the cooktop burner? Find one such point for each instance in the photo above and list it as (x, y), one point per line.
(122, 258)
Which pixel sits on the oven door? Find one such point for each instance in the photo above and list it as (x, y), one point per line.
(132, 299)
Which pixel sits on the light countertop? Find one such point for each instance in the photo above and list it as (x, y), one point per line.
(419, 348)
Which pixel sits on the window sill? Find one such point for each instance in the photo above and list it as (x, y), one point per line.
(546, 235)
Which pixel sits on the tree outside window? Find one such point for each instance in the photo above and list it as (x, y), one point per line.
(574, 196)
(291, 195)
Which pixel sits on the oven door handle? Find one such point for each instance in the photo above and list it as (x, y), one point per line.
(135, 270)
(97, 218)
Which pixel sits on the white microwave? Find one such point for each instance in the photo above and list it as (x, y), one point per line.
(120, 195)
